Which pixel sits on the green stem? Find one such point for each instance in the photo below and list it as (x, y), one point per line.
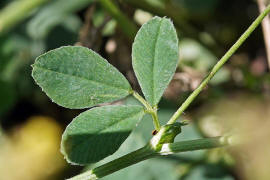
(219, 64)
(16, 12)
(155, 119)
(149, 109)
(193, 145)
(127, 26)
(142, 100)
(147, 152)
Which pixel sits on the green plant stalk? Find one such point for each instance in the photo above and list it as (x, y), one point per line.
(16, 12)
(148, 152)
(219, 64)
(149, 109)
(193, 145)
(127, 26)
(155, 119)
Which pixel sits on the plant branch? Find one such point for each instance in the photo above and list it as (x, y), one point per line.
(16, 12)
(266, 30)
(149, 109)
(219, 64)
(147, 152)
(142, 100)
(193, 145)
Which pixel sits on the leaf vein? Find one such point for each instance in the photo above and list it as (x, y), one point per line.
(79, 77)
(155, 52)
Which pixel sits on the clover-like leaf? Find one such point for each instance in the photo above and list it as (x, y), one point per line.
(99, 132)
(155, 57)
(77, 77)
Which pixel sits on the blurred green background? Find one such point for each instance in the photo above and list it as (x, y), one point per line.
(236, 100)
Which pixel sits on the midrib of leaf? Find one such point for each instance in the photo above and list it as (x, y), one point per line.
(153, 70)
(131, 116)
(106, 95)
(102, 130)
(79, 77)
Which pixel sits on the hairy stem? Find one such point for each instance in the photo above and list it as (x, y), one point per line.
(149, 109)
(147, 152)
(219, 64)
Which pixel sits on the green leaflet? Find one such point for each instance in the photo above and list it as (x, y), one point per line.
(76, 77)
(155, 57)
(99, 132)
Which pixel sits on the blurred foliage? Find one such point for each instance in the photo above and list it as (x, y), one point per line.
(196, 55)
(7, 96)
(247, 114)
(236, 99)
(54, 14)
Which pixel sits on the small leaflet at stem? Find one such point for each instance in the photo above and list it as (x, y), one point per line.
(155, 57)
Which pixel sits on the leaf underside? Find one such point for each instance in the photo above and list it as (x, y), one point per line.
(155, 57)
(99, 132)
(77, 77)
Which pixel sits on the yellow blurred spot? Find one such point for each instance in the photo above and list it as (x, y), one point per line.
(32, 151)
